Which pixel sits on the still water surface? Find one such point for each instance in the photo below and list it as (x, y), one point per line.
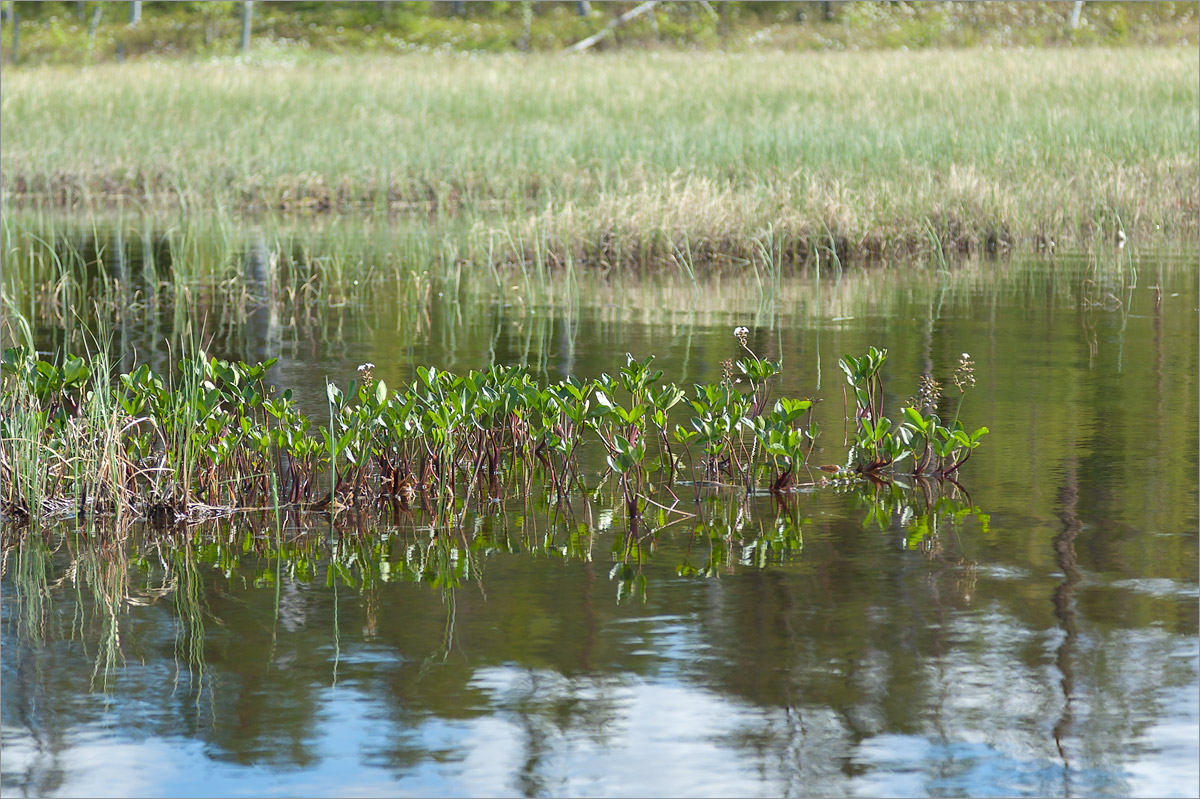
(1042, 642)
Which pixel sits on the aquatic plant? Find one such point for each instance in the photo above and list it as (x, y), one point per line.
(936, 450)
(214, 437)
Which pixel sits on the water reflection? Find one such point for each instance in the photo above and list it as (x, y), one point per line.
(1064, 548)
(1037, 637)
(305, 654)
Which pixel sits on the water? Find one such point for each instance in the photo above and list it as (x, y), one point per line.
(1043, 643)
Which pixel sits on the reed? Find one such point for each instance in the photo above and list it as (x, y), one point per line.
(156, 284)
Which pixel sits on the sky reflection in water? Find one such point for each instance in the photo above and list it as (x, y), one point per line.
(857, 665)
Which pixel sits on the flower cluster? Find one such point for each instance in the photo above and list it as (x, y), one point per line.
(364, 372)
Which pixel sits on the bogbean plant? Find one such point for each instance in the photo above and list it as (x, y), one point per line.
(216, 434)
(936, 450)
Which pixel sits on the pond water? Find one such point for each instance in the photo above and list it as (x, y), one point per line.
(1038, 638)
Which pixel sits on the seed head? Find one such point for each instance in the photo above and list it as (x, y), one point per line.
(727, 370)
(964, 375)
(928, 391)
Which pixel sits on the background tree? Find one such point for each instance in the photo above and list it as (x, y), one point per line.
(16, 30)
(247, 17)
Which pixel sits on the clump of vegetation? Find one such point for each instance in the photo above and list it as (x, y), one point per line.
(215, 437)
(935, 450)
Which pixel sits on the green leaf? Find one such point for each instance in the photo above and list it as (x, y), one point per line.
(914, 416)
(74, 370)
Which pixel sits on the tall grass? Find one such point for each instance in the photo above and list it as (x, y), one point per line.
(618, 159)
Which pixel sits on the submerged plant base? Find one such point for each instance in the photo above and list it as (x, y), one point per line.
(364, 548)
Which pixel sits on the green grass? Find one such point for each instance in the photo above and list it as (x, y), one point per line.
(624, 159)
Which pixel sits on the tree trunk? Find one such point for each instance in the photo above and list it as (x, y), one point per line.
(583, 8)
(135, 12)
(584, 44)
(16, 36)
(247, 17)
(94, 24)
(1075, 10)
(526, 26)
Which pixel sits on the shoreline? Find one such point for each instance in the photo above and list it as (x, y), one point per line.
(617, 246)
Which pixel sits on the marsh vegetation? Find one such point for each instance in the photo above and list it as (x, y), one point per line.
(214, 434)
(711, 158)
(286, 351)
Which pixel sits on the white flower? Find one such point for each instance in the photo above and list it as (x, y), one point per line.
(366, 367)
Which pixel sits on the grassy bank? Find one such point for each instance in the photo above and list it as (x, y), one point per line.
(634, 158)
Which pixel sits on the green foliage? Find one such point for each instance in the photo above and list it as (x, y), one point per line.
(218, 434)
(55, 32)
